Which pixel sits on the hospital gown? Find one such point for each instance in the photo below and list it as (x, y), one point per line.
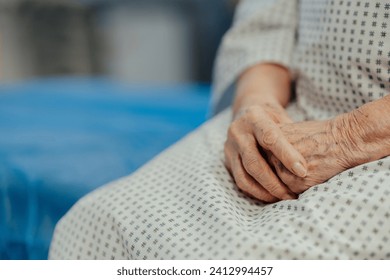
(184, 204)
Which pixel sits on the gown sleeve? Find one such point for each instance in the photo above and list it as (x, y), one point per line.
(262, 31)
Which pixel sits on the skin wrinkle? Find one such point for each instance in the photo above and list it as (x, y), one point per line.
(248, 163)
(269, 138)
(324, 152)
(325, 157)
(247, 184)
(308, 140)
(360, 118)
(352, 154)
(262, 126)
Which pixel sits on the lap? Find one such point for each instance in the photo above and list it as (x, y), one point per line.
(184, 205)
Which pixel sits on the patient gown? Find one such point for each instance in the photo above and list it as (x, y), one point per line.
(184, 204)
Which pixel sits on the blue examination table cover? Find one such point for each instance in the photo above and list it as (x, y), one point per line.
(61, 138)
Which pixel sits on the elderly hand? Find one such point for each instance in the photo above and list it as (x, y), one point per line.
(329, 148)
(256, 130)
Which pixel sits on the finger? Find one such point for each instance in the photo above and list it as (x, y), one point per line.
(248, 185)
(270, 137)
(259, 169)
(294, 183)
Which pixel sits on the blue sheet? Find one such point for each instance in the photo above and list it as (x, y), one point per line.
(62, 138)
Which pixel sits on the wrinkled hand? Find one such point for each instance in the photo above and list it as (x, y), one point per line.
(327, 147)
(254, 132)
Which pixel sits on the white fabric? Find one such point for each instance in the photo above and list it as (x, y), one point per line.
(184, 204)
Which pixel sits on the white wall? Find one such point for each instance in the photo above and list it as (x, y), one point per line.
(147, 43)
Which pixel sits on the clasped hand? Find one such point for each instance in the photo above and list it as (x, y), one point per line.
(271, 158)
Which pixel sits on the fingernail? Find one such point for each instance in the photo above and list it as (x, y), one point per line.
(299, 170)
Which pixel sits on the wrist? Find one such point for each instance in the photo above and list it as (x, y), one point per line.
(251, 99)
(348, 137)
(360, 137)
(263, 84)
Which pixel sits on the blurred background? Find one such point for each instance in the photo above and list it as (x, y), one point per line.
(90, 90)
(133, 40)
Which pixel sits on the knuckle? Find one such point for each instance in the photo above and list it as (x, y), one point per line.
(253, 114)
(269, 137)
(247, 147)
(234, 131)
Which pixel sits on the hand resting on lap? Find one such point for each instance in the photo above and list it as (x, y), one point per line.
(333, 146)
(271, 158)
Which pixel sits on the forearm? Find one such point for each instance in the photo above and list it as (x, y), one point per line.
(367, 129)
(261, 84)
